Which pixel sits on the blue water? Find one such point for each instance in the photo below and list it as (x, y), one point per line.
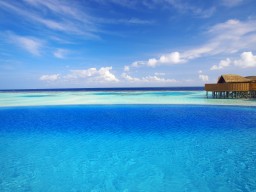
(116, 89)
(128, 148)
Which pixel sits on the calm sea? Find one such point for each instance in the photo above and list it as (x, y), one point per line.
(110, 89)
(125, 147)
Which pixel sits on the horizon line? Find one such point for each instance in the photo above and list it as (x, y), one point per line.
(102, 88)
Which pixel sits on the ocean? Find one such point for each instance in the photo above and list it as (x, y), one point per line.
(132, 147)
(112, 96)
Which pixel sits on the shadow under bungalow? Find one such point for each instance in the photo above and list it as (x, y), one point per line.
(233, 86)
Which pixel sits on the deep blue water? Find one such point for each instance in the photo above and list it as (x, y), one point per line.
(110, 89)
(128, 148)
(126, 118)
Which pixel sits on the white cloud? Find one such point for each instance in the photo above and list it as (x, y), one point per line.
(91, 75)
(83, 73)
(232, 29)
(233, 36)
(215, 67)
(69, 18)
(172, 58)
(126, 68)
(130, 78)
(30, 44)
(247, 59)
(53, 77)
(152, 62)
(56, 6)
(159, 74)
(138, 63)
(51, 24)
(101, 75)
(203, 77)
(200, 51)
(166, 59)
(106, 75)
(222, 64)
(227, 38)
(147, 79)
(154, 78)
(60, 53)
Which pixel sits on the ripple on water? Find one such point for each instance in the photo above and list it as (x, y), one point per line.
(128, 148)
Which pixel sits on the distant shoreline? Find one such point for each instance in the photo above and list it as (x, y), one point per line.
(110, 89)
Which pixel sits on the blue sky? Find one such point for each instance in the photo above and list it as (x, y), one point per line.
(124, 43)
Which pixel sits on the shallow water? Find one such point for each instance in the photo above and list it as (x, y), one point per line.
(128, 148)
(114, 97)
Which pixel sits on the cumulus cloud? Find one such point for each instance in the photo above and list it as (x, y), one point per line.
(172, 58)
(30, 44)
(229, 37)
(60, 53)
(147, 79)
(106, 75)
(152, 62)
(130, 78)
(203, 77)
(84, 73)
(101, 75)
(167, 59)
(52, 77)
(247, 59)
(222, 64)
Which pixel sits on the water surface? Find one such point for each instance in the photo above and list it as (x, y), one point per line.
(128, 148)
(39, 98)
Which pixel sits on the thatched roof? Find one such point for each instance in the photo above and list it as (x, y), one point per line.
(252, 78)
(232, 78)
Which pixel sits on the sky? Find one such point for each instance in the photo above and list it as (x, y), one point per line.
(124, 43)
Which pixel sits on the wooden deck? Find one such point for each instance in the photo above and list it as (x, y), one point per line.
(231, 90)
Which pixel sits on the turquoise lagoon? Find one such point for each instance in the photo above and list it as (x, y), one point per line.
(128, 141)
(35, 98)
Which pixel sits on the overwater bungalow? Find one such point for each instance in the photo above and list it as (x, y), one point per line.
(233, 86)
